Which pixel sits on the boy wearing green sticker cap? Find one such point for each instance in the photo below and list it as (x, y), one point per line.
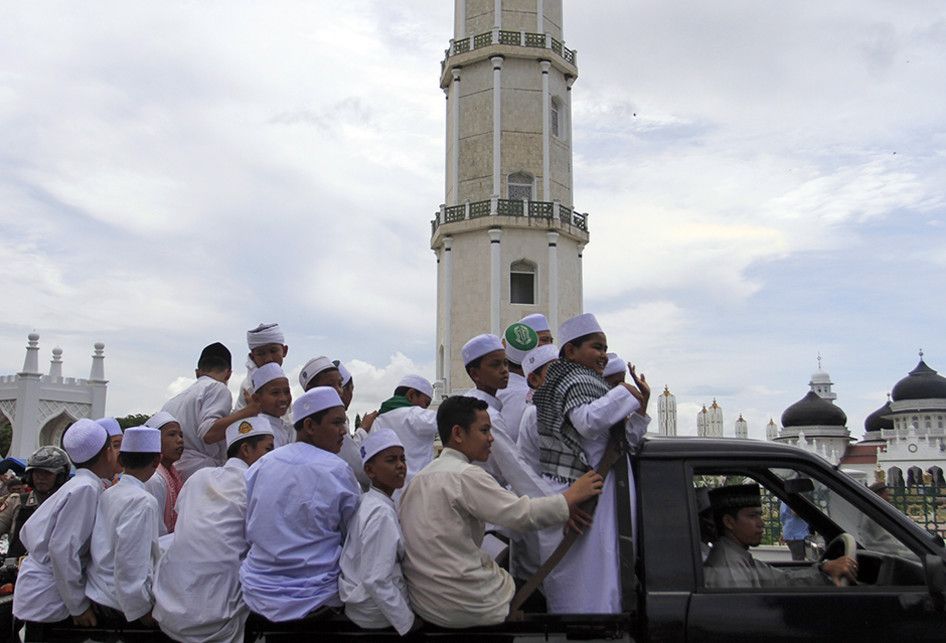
(518, 340)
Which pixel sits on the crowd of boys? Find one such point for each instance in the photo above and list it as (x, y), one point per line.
(218, 516)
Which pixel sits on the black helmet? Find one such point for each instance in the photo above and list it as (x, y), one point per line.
(48, 458)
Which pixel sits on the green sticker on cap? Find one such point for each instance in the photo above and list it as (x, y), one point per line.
(521, 337)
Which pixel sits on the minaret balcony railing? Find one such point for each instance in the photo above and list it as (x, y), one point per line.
(514, 39)
(547, 210)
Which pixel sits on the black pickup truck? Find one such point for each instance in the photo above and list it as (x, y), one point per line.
(899, 594)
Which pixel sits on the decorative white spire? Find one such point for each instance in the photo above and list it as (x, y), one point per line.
(31, 363)
(97, 374)
(667, 413)
(742, 428)
(55, 364)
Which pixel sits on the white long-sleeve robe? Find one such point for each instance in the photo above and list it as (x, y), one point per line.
(196, 409)
(417, 429)
(124, 549)
(51, 582)
(202, 565)
(371, 583)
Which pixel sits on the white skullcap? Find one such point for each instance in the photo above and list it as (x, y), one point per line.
(315, 400)
(141, 439)
(313, 367)
(111, 426)
(536, 322)
(519, 339)
(417, 383)
(83, 440)
(578, 327)
(265, 334)
(346, 376)
(247, 428)
(266, 374)
(159, 419)
(539, 357)
(377, 441)
(615, 365)
(479, 346)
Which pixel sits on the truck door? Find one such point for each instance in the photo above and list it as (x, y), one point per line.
(781, 600)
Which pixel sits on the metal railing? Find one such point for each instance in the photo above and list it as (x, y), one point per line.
(546, 210)
(513, 39)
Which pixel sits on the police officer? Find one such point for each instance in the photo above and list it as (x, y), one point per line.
(46, 471)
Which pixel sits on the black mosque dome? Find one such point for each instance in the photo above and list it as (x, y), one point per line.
(923, 383)
(813, 410)
(876, 422)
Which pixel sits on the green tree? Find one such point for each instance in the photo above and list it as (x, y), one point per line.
(132, 419)
(6, 437)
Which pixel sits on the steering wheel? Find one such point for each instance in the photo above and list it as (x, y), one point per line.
(841, 545)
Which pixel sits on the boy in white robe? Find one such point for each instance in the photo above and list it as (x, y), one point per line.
(518, 340)
(125, 537)
(576, 410)
(50, 586)
(272, 396)
(267, 346)
(371, 583)
(203, 411)
(166, 483)
(534, 366)
(202, 565)
(406, 414)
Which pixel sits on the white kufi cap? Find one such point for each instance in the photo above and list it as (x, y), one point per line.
(265, 334)
(615, 365)
(315, 400)
(159, 419)
(266, 374)
(479, 346)
(83, 439)
(417, 383)
(536, 322)
(377, 441)
(111, 426)
(539, 357)
(346, 376)
(141, 439)
(247, 428)
(313, 367)
(576, 327)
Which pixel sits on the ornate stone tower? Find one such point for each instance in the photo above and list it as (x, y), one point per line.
(507, 238)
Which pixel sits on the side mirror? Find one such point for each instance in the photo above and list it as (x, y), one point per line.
(799, 485)
(935, 571)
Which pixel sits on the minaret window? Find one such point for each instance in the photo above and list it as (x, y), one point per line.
(555, 122)
(521, 186)
(522, 283)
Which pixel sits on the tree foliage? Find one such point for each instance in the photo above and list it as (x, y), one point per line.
(132, 419)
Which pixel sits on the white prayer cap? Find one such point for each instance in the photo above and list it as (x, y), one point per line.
(479, 346)
(247, 428)
(266, 374)
(576, 327)
(265, 334)
(313, 367)
(111, 426)
(83, 440)
(417, 383)
(141, 439)
(346, 376)
(615, 365)
(520, 339)
(159, 419)
(539, 357)
(536, 322)
(315, 400)
(377, 441)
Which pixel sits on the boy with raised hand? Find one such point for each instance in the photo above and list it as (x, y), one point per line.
(450, 580)
(371, 583)
(406, 414)
(267, 346)
(272, 396)
(576, 410)
(50, 586)
(291, 569)
(166, 483)
(518, 340)
(125, 537)
(203, 410)
(202, 565)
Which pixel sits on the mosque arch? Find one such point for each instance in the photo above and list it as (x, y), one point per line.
(936, 475)
(51, 432)
(895, 477)
(522, 282)
(914, 476)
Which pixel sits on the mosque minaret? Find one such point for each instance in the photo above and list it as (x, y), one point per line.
(667, 413)
(508, 239)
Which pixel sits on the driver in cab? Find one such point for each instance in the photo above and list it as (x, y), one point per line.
(737, 510)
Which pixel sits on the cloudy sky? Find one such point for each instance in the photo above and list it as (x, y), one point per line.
(765, 182)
